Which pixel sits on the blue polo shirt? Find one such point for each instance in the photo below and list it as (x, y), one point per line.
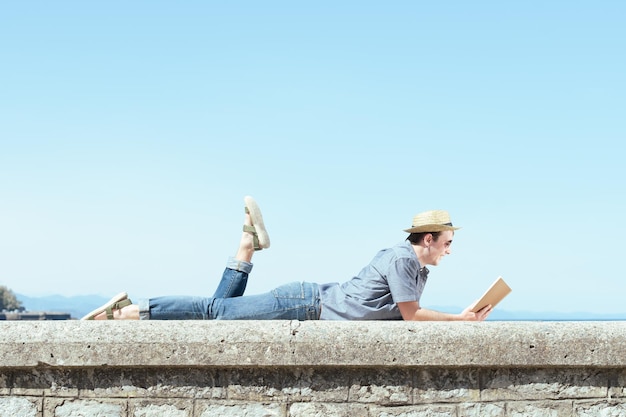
(393, 276)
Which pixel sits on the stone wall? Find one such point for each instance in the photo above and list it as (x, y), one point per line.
(33, 315)
(283, 368)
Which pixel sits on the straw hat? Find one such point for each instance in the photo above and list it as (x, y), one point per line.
(431, 221)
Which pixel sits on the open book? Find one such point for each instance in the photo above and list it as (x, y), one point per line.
(498, 290)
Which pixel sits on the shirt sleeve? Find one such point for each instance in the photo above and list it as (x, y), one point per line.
(402, 280)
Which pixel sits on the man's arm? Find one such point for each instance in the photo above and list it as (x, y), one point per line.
(412, 311)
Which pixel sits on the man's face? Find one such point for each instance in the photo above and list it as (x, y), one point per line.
(439, 248)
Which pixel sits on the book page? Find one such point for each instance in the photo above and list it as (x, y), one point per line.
(498, 290)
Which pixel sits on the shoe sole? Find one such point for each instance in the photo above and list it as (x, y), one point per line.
(257, 222)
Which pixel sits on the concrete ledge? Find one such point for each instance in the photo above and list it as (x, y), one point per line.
(312, 344)
(293, 369)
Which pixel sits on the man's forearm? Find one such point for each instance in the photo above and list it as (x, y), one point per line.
(423, 314)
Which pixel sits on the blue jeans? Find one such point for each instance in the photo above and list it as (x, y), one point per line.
(295, 301)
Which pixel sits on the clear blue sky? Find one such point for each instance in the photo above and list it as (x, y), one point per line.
(130, 132)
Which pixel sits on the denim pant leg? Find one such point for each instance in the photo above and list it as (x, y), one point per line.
(233, 284)
(295, 301)
(175, 308)
(234, 279)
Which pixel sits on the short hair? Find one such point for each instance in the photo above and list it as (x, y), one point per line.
(416, 238)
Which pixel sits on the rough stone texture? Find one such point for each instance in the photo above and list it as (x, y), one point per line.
(288, 369)
(283, 343)
(20, 406)
(241, 410)
(65, 407)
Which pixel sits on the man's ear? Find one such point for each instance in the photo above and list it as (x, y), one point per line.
(428, 238)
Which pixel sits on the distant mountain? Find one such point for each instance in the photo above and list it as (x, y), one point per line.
(77, 306)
